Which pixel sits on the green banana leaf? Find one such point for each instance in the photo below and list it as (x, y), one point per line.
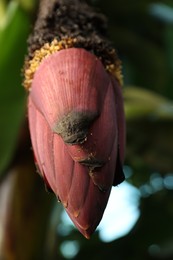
(13, 35)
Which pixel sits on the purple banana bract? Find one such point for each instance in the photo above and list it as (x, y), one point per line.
(77, 127)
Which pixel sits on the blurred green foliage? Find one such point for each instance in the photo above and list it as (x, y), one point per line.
(142, 32)
(14, 29)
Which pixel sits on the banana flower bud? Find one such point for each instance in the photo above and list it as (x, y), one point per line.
(77, 127)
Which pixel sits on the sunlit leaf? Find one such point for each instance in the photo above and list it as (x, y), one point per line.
(140, 103)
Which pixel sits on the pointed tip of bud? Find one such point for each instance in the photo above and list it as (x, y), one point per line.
(87, 234)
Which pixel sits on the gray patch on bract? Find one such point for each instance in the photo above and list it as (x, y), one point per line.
(73, 127)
